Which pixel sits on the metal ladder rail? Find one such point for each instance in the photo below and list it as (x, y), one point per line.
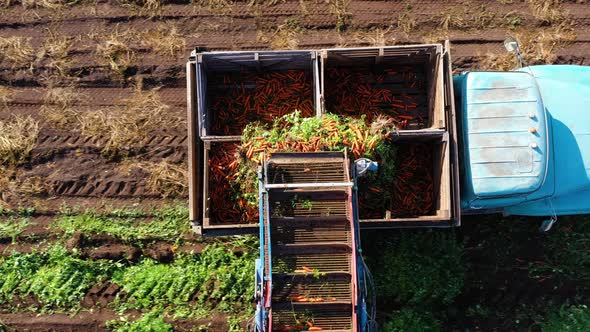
(350, 219)
(355, 234)
(268, 244)
(264, 264)
(366, 289)
(262, 313)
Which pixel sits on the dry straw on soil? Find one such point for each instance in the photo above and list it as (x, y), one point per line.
(435, 36)
(18, 135)
(17, 51)
(341, 10)
(13, 185)
(48, 4)
(547, 11)
(375, 37)
(165, 40)
(466, 18)
(56, 52)
(284, 37)
(127, 126)
(215, 6)
(406, 20)
(538, 46)
(150, 8)
(6, 95)
(453, 18)
(113, 50)
(58, 106)
(165, 178)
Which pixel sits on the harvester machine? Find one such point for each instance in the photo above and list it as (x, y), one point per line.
(310, 275)
(514, 142)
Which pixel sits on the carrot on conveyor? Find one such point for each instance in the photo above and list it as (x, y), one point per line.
(306, 269)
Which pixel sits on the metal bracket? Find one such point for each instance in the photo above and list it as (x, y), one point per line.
(197, 227)
(547, 224)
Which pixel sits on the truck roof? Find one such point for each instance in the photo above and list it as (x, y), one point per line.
(505, 134)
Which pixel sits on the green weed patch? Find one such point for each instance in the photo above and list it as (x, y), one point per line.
(568, 253)
(55, 277)
(572, 318)
(17, 271)
(11, 227)
(412, 320)
(415, 267)
(168, 224)
(215, 279)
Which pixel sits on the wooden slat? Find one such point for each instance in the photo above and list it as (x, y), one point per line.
(194, 178)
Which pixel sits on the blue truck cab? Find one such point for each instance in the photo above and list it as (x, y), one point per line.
(524, 138)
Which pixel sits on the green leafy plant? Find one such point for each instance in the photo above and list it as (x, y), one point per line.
(25, 211)
(55, 277)
(234, 324)
(216, 279)
(416, 267)
(330, 132)
(17, 271)
(169, 224)
(412, 320)
(568, 318)
(307, 204)
(64, 279)
(568, 253)
(11, 228)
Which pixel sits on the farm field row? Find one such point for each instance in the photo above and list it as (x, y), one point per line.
(94, 231)
(125, 269)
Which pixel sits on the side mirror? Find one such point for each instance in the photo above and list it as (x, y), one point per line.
(511, 45)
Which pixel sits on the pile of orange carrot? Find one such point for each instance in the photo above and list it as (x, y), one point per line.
(240, 98)
(360, 91)
(329, 133)
(224, 206)
(372, 202)
(413, 193)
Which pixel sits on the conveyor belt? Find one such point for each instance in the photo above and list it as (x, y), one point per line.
(311, 242)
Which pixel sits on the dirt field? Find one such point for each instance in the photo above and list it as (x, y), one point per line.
(111, 61)
(71, 162)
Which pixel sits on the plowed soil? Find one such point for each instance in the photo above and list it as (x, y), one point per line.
(71, 168)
